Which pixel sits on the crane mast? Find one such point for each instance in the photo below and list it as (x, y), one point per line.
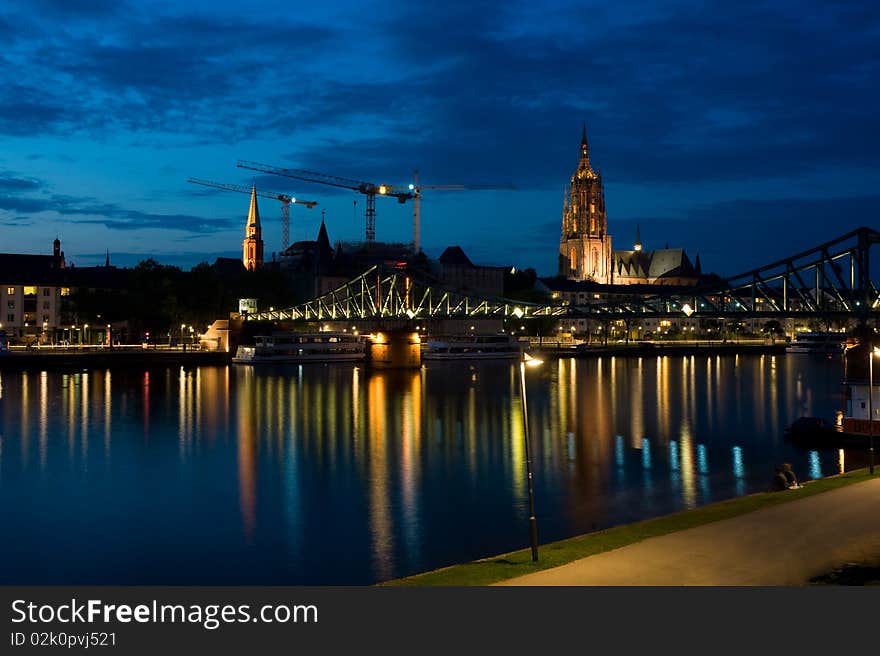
(417, 202)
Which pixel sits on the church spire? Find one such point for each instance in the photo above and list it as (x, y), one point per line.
(107, 259)
(254, 211)
(252, 246)
(585, 149)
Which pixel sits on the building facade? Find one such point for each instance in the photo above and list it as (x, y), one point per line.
(31, 290)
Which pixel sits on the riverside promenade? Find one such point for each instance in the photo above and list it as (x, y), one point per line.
(786, 544)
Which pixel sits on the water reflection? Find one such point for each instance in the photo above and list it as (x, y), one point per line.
(336, 474)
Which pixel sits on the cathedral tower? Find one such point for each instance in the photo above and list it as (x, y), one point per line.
(585, 245)
(252, 246)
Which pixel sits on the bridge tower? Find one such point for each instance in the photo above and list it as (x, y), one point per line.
(252, 246)
(585, 245)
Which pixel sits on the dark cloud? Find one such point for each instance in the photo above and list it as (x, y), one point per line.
(115, 217)
(13, 183)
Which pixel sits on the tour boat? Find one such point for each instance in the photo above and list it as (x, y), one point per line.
(817, 343)
(474, 347)
(295, 347)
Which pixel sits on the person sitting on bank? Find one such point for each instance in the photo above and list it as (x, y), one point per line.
(779, 482)
(790, 479)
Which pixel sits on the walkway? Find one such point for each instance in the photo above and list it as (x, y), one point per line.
(783, 545)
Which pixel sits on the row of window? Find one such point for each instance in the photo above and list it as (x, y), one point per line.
(32, 291)
(11, 318)
(11, 305)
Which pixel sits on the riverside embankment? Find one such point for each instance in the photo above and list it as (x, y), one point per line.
(100, 357)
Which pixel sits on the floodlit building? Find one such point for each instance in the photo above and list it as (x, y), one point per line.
(252, 246)
(31, 291)
(585, 252)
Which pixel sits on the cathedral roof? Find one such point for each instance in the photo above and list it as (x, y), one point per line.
(661, 263)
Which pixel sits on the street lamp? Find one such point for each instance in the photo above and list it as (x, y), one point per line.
(528, 361)
(874, 351)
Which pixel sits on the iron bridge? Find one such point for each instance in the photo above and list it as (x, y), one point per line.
(829, 281)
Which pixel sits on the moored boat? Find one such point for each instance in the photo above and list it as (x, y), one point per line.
(474, 347)
(292, 347)
(817, 343)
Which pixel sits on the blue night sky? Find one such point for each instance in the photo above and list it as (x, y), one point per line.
(742, 131)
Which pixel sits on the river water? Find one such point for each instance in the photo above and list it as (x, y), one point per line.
(333, 474)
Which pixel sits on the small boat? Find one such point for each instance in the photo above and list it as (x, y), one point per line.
(817, 343)
(816, 433)
(292, 347)
(474, 347)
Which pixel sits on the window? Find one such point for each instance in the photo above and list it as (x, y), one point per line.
(45, 318)
(47, 291)
(10, 290)
(65, 291)
(30, 291)
(46, 305)
(10, 318)
(10, 305)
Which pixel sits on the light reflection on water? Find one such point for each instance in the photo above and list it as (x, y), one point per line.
(335, 474)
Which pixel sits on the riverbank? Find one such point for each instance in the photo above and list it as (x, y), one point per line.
(750, 531)
(100, 357)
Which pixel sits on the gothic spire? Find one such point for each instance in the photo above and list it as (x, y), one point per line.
(107, 259)
(584, 163)
(697, 265)
(254, 211)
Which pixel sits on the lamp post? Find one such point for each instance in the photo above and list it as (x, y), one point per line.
(529, 361)
(874, 351)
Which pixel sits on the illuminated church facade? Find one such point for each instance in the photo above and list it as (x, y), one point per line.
(585, 252)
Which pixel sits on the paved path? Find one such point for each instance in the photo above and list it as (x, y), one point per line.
(783, 545)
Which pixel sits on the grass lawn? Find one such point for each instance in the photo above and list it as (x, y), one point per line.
(517, 563)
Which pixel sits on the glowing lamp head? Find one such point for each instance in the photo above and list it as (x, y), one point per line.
(687, 309)
(383, 189)
(412, 187)
(518, 312)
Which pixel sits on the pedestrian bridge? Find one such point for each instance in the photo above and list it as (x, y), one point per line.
(830, 281)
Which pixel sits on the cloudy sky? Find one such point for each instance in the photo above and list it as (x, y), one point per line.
(742, 131)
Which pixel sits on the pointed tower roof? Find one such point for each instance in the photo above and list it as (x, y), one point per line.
(697, 264)
(107, 259)
(254, 211)
(323, 240)
(584, 163)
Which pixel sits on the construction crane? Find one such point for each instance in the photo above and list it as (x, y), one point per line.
(417, 190)
(286, 202)
(369, 189)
